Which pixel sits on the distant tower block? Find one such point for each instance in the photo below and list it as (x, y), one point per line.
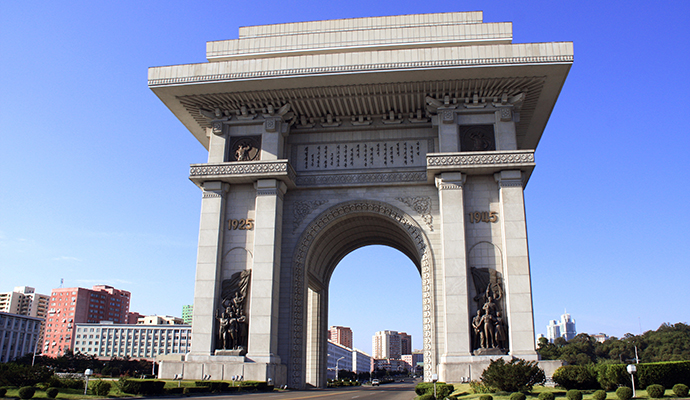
(416, 132)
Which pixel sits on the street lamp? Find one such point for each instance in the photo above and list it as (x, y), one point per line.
(336, 367)
(632, 368)
(87, 374)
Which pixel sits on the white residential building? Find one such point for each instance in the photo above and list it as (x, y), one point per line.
(106, 340)
(19, 335)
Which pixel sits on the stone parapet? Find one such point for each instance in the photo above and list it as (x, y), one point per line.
(238, 172)
(485, 162)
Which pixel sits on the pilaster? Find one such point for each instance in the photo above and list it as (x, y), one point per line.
(448, 137)
(208, 266)
(516, 272)
(265, 284)
(456, 333)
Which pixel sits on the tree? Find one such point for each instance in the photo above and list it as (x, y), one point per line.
(515, 376)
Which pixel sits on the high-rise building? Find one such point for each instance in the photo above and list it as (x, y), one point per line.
(405, 343)
(341, 335)
(24, 300)
(386, 345)
(187, 312)
(564, 328)
(69, 306)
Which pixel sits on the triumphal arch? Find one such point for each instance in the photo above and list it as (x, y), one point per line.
(416, 132)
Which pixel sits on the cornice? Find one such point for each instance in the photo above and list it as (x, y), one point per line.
(424, 64)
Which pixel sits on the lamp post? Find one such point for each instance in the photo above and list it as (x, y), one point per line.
(336, 367)
(87, 374)
(632, 368)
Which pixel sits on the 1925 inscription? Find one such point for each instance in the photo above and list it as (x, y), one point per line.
(241, 224)
(483, 216)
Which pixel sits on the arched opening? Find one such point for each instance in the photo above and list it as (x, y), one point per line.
(333, 235)
(375, 288)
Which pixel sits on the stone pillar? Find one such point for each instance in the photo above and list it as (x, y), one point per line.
(448, 135)
(516, 271)
(265, 281)
(453, 291)
(208, 267)
(272, 139)
(504, 129)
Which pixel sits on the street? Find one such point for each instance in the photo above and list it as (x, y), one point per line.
(390, 391)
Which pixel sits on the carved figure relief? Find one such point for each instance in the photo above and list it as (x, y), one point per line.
(477, 138)
(490, 332)
(232, 317)
(246, 148)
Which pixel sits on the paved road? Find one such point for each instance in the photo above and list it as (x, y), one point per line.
(390, 391)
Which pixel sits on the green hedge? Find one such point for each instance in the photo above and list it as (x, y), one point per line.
(145, 387)
(442, 389)
(582, 377)
(666, 373)
(51, 392)
(679, 389)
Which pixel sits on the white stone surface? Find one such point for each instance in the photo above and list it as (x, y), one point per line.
(366, 150)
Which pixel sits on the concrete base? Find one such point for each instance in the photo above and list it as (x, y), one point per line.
(465, 371)
(223, 368)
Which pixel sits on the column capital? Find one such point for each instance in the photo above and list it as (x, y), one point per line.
(214, 189)
(450, 180)
(270, 187)
(510, 178)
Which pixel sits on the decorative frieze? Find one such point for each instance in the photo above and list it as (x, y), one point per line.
(361, 178)
(484, 158)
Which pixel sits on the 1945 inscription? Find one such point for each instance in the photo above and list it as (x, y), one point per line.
(483, 216)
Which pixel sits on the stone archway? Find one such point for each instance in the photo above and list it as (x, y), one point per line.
(330, 237)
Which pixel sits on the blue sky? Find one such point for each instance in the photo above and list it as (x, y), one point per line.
(94, 169)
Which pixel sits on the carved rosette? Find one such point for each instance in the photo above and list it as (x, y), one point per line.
(422, 205)
(296, 369)
(302, 209)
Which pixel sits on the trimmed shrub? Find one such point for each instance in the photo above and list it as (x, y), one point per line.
(174, 390)
(574, 394)
(486, 397)
(679, 390)
(624, 393)
(583, 377)
(515, 376)
(610, 376)
(546, 396)
(517, 396)
(27, 392)
(655, 391)
(599, 395)
(52, 392)
(426, 396)
(3, 392)
(101, 388)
